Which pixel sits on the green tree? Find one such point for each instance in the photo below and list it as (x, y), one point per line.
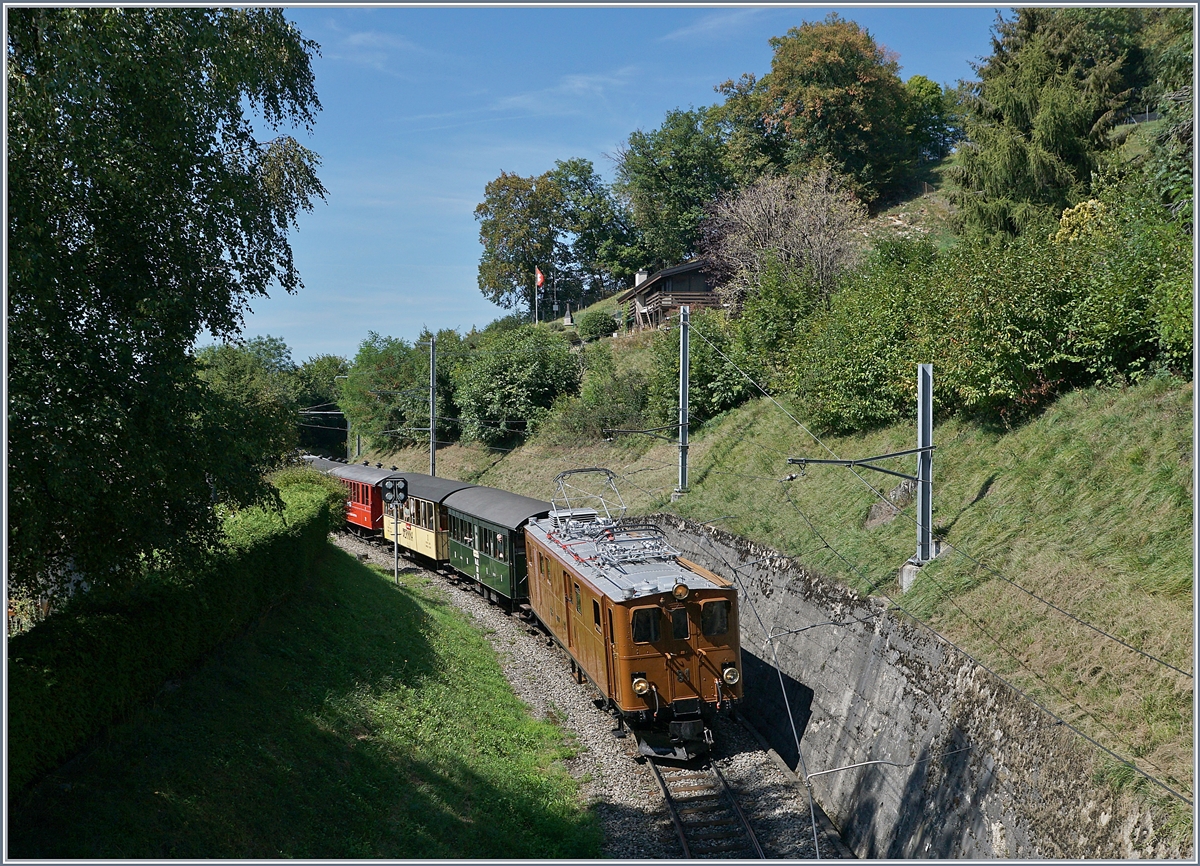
(317, 387)
(142, 209)
(259, 377)
(520, 220)
(599, 230)
(1038, 120)
(669, 175)
(510, 383)
(932, 121)
(837, 98)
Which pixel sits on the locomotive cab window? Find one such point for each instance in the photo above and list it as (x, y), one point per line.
(645, 625)
(578, 600)
(679, 623)
(596, 614)
(714, 618)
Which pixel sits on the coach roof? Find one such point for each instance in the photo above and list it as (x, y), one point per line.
(431, 488)
(505, 509)
(352, 471)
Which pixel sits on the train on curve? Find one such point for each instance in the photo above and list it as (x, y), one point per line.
(655, 633)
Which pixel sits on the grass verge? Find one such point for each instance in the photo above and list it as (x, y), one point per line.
(360, 719)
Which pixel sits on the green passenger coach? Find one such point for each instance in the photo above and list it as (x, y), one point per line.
(487, 538)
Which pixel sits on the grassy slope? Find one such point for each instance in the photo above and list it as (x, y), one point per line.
(1089, 506)
(335, 728)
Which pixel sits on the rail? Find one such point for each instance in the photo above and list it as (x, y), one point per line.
(705, 812)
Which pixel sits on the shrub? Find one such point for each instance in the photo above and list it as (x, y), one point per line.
(596, 323)
(608, 399)
(88, 665)
(509, 384)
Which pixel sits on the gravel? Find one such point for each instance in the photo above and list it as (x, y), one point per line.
(612, 780)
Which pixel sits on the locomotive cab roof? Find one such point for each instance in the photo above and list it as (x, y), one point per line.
(624, 560)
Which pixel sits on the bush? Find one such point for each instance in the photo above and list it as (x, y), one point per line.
(88, 665)
(594, 324)
(714, 384)
(509, 384)
(608, 399)
(1007, 326)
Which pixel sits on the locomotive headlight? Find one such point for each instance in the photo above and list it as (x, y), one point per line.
(641, 686)
(731, 676)
(680, 591)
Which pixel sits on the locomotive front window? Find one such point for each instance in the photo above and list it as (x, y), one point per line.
(714, 618)
(645, 625)
(679, 623)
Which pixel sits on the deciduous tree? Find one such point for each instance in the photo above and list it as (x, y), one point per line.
(837, 98)
(143, 208)
(512, 380)
(803, 224)
(669, 175)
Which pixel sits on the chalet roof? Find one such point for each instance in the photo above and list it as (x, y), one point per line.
(648, 284)
(506, 509)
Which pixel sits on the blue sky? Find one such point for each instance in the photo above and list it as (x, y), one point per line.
(423, 106)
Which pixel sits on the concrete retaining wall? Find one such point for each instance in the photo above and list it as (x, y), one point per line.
(985, 773)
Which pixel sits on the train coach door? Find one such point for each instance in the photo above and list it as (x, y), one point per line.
(567, 607)
(476, 543)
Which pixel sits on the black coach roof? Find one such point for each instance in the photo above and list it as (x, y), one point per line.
(505, 509)
(352, 471)
(431, 488)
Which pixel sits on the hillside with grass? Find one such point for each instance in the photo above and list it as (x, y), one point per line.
(1087, 506)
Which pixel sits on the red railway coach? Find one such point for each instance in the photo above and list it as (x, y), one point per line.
(364, 500)
(655, 633)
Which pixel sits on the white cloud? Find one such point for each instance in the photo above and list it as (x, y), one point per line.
(720, 24)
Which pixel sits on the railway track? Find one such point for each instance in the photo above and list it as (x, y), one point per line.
(706, 814)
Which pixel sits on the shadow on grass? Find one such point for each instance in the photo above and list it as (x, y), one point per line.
(316, 734)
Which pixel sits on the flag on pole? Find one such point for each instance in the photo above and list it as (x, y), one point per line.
(540, 278)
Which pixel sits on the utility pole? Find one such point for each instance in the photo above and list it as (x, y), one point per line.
(924, 476)
(925, 550)
(684, 329)
(433, 404)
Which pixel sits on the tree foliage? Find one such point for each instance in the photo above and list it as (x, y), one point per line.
(142, 208)
(836, 97)
(519, 227)
(566, 222)
(669, 175)
(510, 382)
(803, 224)
(1038, 120)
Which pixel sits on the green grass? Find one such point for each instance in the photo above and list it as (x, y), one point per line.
(1088, 505)
(360, 719)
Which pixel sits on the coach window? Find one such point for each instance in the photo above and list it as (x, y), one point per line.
(645, 625)
(714, 618)
(679, 623)
(596, 615)
(501, 546)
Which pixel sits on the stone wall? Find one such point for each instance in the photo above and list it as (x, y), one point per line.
(982, 772)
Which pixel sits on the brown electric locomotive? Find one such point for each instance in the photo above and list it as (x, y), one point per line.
(655, 633)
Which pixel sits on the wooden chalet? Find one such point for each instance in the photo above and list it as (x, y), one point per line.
(658, 296)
